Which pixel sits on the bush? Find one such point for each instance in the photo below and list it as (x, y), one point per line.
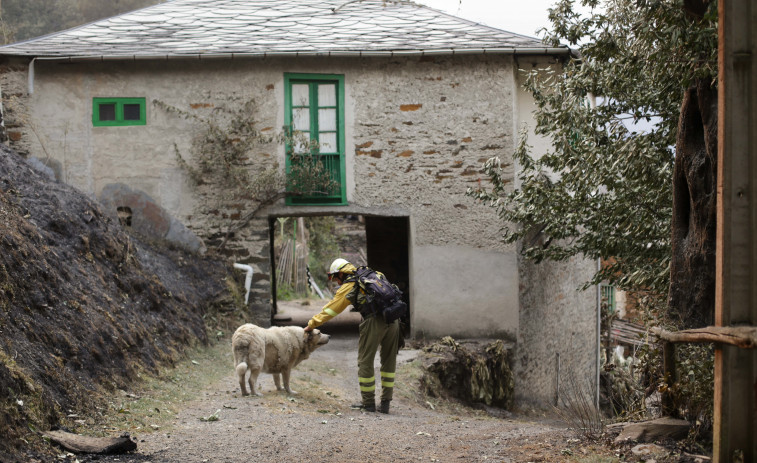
(285, 292)
(323, 247)
(693, 391)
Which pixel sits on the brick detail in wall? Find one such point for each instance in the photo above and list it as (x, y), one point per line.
(410, 107)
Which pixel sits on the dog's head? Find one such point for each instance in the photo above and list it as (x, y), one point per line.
(315, 339)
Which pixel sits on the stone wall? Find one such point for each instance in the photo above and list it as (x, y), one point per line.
(15, 93)
(423, 128)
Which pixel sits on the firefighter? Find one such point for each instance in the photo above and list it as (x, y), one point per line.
(375, 333)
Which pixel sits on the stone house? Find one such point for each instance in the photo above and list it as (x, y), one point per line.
(406, 102)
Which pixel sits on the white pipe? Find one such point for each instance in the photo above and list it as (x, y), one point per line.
(247, 279)
(31, 76)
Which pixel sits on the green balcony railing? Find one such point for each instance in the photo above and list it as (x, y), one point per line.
(323, 183)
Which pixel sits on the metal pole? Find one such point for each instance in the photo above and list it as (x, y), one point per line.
(599, 339)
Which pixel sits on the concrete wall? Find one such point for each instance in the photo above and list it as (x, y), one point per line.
(461, 283)
(558, 337)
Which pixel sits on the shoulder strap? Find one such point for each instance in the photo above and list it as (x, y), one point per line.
(358, 276)
(363, 272)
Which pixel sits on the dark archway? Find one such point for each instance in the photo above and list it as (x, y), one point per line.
(386, 249)
(388, 243)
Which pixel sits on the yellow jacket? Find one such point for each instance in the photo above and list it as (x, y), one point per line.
(338, 303)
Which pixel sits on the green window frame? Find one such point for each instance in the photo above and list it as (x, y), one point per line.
(608, 297)
(315, 107)
(114, 112)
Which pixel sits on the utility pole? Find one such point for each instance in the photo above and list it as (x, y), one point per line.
(735, 413)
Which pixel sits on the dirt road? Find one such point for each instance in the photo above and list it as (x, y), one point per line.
(318, 425)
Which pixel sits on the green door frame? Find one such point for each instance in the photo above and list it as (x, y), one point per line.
(312, 80)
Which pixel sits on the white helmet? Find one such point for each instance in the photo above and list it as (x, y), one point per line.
(337, 265)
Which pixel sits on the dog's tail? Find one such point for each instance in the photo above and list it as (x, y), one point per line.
(242, 369)
(240, 357)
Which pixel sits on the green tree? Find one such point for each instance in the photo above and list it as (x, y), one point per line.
(323, 246)
(604, 188)
(32, 18)
(630, 109)
(25, 19)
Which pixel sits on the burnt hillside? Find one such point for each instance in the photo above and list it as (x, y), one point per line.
(84, 305)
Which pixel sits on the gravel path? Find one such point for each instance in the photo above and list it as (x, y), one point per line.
(318, 425)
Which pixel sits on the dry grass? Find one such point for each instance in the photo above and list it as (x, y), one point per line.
(153, 404)
(578, 409)
(596, 459)
(309, 380)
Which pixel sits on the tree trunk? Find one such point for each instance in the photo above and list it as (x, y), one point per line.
(692, 266)
(86, 444)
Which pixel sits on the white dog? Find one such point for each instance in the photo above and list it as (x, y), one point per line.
(274, 350)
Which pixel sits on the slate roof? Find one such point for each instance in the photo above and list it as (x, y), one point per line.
(183, 28)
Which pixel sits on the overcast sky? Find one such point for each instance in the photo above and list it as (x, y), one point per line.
(521, 16)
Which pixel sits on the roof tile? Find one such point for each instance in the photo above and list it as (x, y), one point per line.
(197, 27)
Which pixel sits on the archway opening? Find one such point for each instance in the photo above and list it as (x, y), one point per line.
(302, 248)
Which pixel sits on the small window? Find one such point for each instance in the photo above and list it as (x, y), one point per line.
(118, 111)
(132, 112)
(107, 112)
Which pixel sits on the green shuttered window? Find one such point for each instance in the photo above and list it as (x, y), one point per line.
(315, 108)
(110, 112)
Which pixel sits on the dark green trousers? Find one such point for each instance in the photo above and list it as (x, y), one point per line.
(375, 334)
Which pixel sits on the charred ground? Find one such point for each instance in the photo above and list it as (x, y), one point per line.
(85, 306)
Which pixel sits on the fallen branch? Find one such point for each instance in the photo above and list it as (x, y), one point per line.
(744, 337)
(85, 444)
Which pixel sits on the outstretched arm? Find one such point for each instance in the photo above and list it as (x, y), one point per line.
(333, 308)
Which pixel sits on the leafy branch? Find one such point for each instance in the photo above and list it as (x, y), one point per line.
(603, 189)
(227, 162)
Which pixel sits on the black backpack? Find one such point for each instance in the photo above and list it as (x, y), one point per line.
(381, 296)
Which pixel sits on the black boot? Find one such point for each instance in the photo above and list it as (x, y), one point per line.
(384, 406)
(364, 407)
